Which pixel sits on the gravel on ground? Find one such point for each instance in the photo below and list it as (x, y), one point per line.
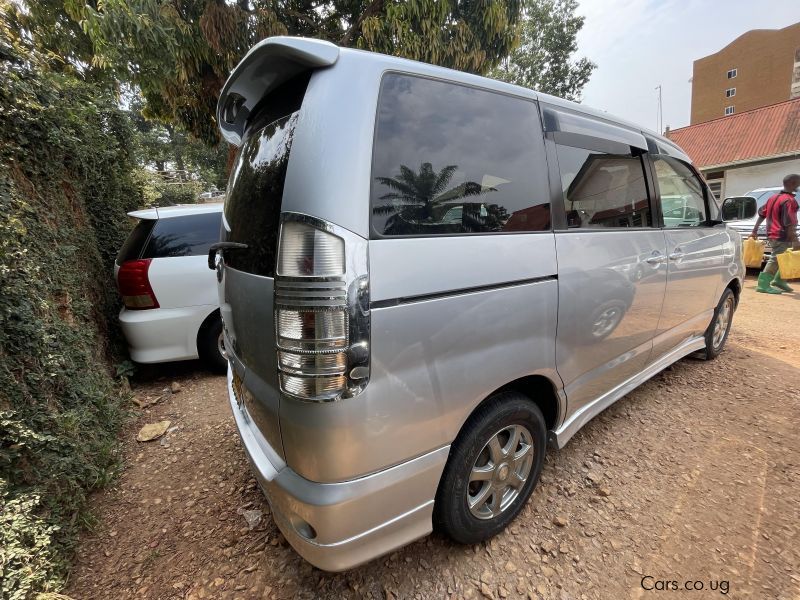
(692, 478)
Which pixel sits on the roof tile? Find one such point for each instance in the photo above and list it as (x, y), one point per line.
(755, 134)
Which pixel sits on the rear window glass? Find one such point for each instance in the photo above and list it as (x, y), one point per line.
(451, 159)
(132, 248)
(190, 235)
(253, 202)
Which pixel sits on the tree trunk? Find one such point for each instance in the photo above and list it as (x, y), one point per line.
(176, 149)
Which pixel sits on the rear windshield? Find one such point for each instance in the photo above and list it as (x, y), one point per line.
(190, 235)
(253, 202)
(132, 248)
(451, 159)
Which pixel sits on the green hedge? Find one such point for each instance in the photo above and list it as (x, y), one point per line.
(66, 181)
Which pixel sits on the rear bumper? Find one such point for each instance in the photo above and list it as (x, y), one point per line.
(337, 526)
(163, 334)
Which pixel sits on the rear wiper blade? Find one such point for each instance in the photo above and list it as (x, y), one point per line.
(214, 248)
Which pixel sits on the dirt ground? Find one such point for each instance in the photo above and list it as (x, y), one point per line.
(694, 477)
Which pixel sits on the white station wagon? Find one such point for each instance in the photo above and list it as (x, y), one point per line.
(171, 310)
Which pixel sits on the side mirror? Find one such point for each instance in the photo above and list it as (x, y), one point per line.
(737, 208)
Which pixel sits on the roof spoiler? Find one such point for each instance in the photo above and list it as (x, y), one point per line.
(267, 65)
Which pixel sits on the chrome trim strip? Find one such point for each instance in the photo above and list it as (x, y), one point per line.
(311, 352)
(483, 288)
(573, 424)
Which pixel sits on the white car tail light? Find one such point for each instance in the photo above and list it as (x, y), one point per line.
(321, 310)
(134, 285)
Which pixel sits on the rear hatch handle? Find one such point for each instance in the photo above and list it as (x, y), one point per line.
(214, 248)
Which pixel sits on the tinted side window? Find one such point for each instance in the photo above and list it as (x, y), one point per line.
(603, 190)
(191, 235)
(450, 159)
(132, 248)
(682, 200)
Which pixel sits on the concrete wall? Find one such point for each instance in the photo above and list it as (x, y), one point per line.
(740, 180)
(764, 59)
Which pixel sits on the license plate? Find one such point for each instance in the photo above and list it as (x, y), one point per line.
(238, 389)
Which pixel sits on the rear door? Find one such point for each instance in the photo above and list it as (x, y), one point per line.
(698, 255)
(611, 271)
(251, 216)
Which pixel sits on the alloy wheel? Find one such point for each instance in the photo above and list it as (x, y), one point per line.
(722, 322)
(500, 472)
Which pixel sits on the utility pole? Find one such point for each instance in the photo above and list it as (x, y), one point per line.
(660, 111)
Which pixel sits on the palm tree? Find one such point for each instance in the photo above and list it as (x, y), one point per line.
(425, 189)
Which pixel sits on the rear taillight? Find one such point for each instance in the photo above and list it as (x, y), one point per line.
(134, 285)
(321, 310)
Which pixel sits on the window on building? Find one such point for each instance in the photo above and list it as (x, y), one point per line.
(730, 92)
(716, 188)
(682, 199)
(451, 159)
(732, 73)
(603, 190)
(716, 180)
(729, 110)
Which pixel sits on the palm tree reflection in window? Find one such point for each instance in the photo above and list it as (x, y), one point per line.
(421, 202)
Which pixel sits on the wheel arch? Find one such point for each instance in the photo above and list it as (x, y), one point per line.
(539, 389)
(204, 326)
(736, 287)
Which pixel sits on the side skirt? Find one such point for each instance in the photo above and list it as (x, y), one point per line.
(572, 425)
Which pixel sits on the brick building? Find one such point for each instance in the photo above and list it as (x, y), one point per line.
(759, 68)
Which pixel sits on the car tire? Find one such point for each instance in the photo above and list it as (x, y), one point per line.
(717, 333)
(470, 510)
(209, 345)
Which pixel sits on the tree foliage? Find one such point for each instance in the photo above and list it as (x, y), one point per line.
(180, 53)
(162, 146)
(66, 183)
(543, 60)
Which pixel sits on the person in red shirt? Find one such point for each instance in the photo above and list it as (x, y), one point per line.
(780, 211)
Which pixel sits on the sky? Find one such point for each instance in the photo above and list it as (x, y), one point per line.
(640, 44)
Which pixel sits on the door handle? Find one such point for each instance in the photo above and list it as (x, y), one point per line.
(655, 259)
(677, 255)
(214, 248)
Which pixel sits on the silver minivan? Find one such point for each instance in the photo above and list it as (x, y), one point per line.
(425, 276)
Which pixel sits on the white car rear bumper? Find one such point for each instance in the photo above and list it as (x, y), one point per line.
(163, 334)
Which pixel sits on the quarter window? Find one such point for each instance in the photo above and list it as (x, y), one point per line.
(133, 246)
(603, 190)
(451, 159)
(682, 199)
